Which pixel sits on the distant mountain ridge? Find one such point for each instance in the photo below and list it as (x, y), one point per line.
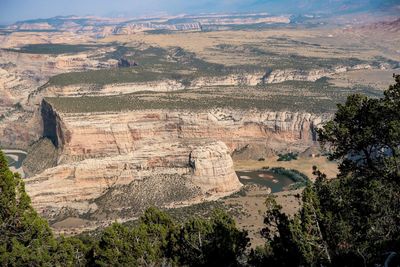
(275, 7)
(253, 10)
(387, 26)
(328, 6)
(108, 26)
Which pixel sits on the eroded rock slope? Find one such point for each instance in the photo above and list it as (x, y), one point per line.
(113, 165)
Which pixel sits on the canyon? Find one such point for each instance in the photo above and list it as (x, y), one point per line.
(105, 161)
(106, 139)
(102, 27)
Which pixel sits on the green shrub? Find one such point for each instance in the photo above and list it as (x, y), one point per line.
(299, 178)
(288, 156)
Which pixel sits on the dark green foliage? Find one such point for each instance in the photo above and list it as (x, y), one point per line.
(26, 239)
(119, 245)
(69, 252)
(292, 241)
(216, 242)
(288, 156)
(316, 97)
(300, 178)
(362, 207)
(159, 240)
(154, 64)
(365, 134)
(278, 61)
(54, 49)
(106, 76)
(156, 240)
(353, 220)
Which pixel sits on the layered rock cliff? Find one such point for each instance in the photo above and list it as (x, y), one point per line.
(89, 135)
(48, 65)
(278, 76)
(20, 76)
(119, 187)
(113, 165)
(234, 79)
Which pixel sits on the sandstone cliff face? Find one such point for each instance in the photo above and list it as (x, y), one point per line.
(13, 88)
(243, 79)
(118, 187)
(20, 76)
(166, 85)
(249, 79)
(89, 135)
(48, 65)
(213, 168)
(113, 165)
(37, 64)
(278, 76)
(111, 89)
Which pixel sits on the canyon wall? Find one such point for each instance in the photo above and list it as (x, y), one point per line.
(279, 76)
(167, 85)
(89, 135)
(104, 189)
(48, 65)
(113, 165)
(21, 74)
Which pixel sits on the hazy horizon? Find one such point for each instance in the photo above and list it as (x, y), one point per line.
(18, 10)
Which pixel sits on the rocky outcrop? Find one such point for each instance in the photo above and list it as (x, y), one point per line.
(249, 79)
(90, 135)
(41, 155)
(384, 26)
(278, 76)
(81, 62)
(213, 168)
(113, 165)
(132, 28)
(165, 85)
(13, 89)
(18, 128)
(126, 63)
(20, 76)
(53, 125)
(243, 21)
(46, 65)
(171, 173)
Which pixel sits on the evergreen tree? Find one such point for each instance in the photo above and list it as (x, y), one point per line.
(353, 220)
(26, 239)
(214, 242)
(361, 208)
(70, 251)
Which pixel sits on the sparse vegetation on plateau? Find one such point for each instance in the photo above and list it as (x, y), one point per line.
(54, 49)
(316, 97)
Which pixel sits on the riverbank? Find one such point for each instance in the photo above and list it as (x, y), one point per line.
(303, 165)
(15, 157)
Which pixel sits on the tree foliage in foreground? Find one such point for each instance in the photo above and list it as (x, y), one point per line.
(156, 240)
(361, 209)
(353, 220)
(24, 236)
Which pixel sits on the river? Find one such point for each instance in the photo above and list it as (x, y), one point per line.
(15, 159)
(276, 182)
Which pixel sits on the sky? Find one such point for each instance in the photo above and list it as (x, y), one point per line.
(17, 10)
